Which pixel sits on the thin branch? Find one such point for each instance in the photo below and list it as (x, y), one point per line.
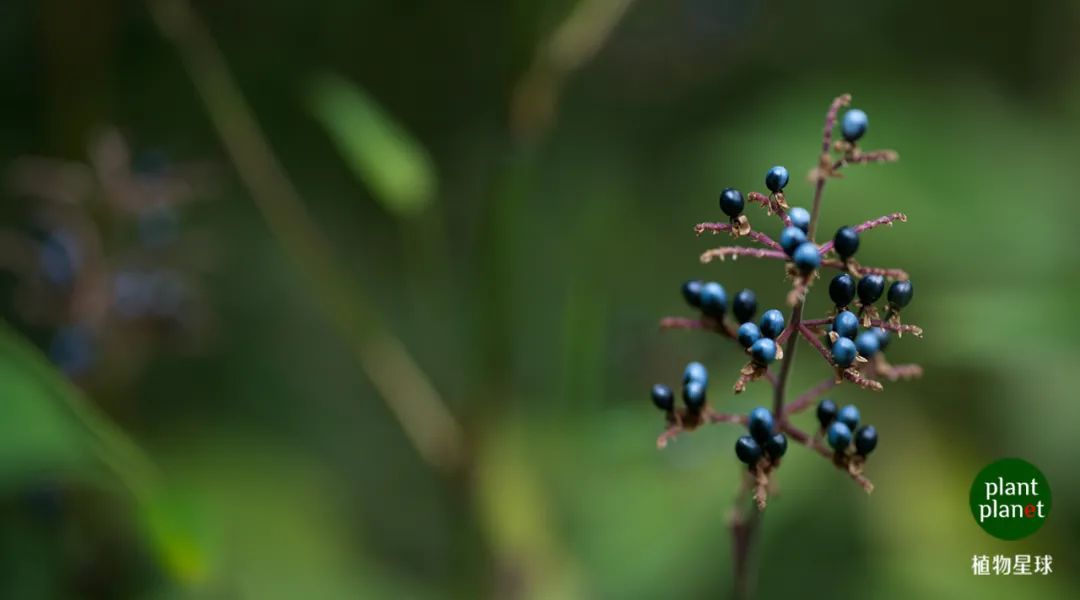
(809, 397)
(737, 251)
(709, 417)
(842, 462)
(897, 327)
(757, 236)
(871, 156)
(771, 206)
(868, 225)
(855, 377)
(815, 342)
(898, 274)
(705, 323)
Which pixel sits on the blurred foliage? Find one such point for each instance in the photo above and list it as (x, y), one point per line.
(529, 290)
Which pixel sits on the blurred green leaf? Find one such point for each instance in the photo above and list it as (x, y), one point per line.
(395, 166)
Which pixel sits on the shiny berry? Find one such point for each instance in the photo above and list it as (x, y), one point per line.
(839, 436)
(842, 290)
(763, 351)
(772, 323)
(776, 446)
(900, 293)
(731, 202)
(882, 336)
(662, 397)
(849, 415)
(846, 242)
(867, 343)
(826, 412)
(854, 124)
(713, 299)
(870, 289)
(776, 179)
(748, 450)
(865, 440)
(693, 395)
(744, 305)
(691, 292)
(846, 324)
(760, 423)
(748, 334)
(696, 371)
(800, 217)
(806, 258)
(843, 352)
(791, 238)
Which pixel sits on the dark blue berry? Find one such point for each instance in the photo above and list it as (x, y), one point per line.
(882, 336)
(713, 299)
(776, 179)
(748, 334)
(772, 323)
(865, 440)
(693, 395)
(867, 343)
(900, 293)
(744, 306)
(842, 290)
(731, 202)
(662, 397)
(791, 238)
(849, 415)
(843, 352)
(748, 450)
(60, 258)
(839, 436)
(74, 350)
(800, 217)
(691, 291)
(870, 289)
(760, 423)
(846, 242)
(806, 258)
(776, 446)
(763, 351)
(846, 324)
(696, 371)
(854, 124)
(826, 412)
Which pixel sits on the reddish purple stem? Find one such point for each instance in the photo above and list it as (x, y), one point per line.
(878, 222)
(757, 236)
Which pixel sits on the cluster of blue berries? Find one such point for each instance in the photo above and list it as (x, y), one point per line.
(843, 289)
(762, 441)
(842, 431)
(848, 342)
(759, 340)
(695, 381)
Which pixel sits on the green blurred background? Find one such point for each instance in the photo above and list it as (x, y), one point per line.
(508, 190)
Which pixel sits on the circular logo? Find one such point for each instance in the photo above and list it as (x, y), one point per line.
(1010, 499)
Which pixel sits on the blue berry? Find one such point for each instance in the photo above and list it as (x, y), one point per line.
(843, 352)
(693, 395)
(849, 415)
(870, 289)
(867, 343)
(854, 124)
(865, 440)
(800, 217)
(776, 446)
(882, 336)
(713, 299)
(60, 258)
(806, 258)
(748, 334)
(791, 238)
(846, 324)
(744, 306)
(839, 436)
(748, 450)
(772, 323)
(776, 179)
(691, 291)
(763, 351)
(842, 290)
(74, 350)
(846, 242)
(731, 202)
(696, 371)
(826, 412)
(760, 423)
(900, 293)
(662, 397)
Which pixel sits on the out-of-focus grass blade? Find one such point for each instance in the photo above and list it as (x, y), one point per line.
(394, 166)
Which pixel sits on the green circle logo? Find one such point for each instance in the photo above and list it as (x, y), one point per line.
(1010, 499)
